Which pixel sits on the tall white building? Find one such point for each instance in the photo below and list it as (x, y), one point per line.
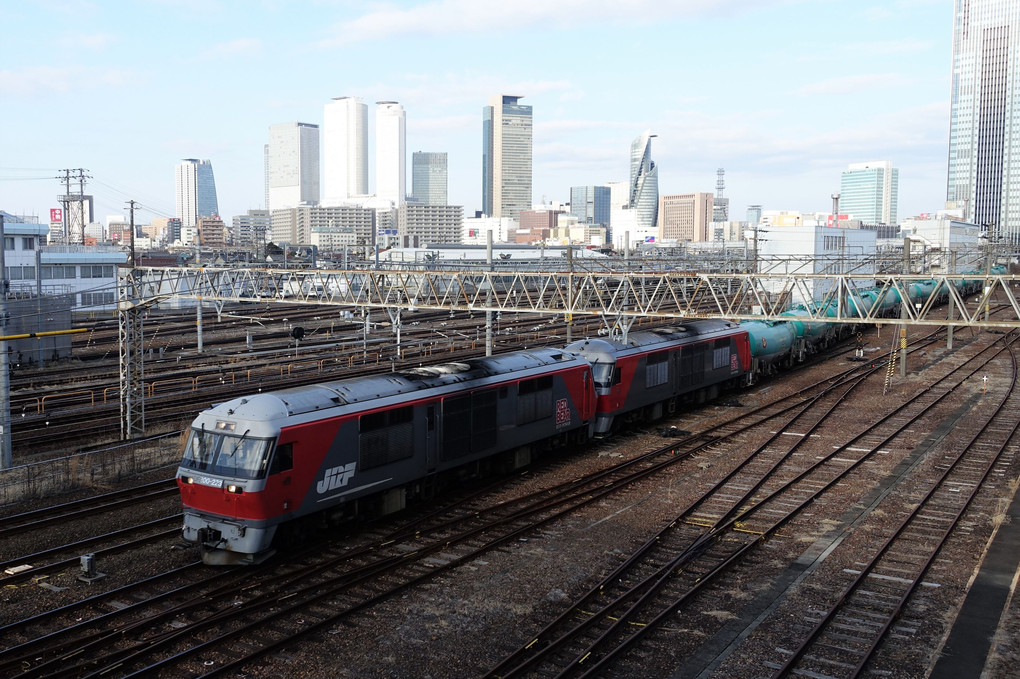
(195, 191)
(345, 149)
(984, 124)
(390, 152)
(292, 165)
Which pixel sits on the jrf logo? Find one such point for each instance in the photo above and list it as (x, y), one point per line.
(336, 477)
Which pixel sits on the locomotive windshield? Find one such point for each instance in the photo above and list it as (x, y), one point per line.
(602, 373)
(238, 456)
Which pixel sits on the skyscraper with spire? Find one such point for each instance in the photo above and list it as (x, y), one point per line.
(644, 182)
(984, 124)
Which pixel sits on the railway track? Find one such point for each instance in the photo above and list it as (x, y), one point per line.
(275, 604)
(842, 636)
(611, 628)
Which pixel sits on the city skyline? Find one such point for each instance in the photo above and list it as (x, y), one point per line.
(784, 117)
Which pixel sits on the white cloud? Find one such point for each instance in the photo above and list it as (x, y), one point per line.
(854, 84)
(91, 41)
(471, 16)
(233, 48)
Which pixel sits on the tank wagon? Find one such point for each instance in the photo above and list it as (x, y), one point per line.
(260, 469)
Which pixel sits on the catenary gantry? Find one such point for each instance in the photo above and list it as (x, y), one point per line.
(612, 295)
(617, 297)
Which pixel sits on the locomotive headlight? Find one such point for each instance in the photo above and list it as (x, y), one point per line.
(232, 488)
(189, 480)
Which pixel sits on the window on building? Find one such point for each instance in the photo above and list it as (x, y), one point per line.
(8, 242)
(97, 271)
(57, 271)
(97, 298)
(28, 243)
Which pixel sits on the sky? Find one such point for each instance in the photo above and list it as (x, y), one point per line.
(782, 94)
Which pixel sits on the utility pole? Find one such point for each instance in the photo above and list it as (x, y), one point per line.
(6, 460)
(131, 210)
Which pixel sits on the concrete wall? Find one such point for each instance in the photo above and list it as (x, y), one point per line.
(94, 470)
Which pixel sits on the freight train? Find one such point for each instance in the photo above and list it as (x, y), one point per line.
(260, 470)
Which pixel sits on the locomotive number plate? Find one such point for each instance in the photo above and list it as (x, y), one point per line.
(209, 481)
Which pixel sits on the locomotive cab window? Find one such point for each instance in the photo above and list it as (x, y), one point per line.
(239, 456)
(283, 459)
(605, 375)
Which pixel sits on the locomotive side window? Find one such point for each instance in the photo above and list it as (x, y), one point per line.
(385, 437)
(456, 435)
(469, 423)
(657, 369)
(721, 354)
(483, 420)
(237, 456)
(534, 399)
(283, 459)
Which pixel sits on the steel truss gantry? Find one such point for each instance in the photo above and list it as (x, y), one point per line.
(610, 295)
(617, 297)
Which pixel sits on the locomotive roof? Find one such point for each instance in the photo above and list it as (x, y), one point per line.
(643, 339)
(311, 398)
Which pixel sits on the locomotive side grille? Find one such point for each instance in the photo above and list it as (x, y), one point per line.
(385, 437)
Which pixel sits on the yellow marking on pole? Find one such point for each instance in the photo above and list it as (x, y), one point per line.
(46, 333)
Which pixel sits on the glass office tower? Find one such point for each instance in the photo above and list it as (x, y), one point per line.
(984, 149)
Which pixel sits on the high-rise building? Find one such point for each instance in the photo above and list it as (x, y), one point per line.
(196, 191)
(390, 152)
(251, 228)
(754, 214)
(506, 156)
(292, 165)
(869, 192)
(429, 178)
(351, 224)
(421, 224)
(345, 149)
(644, 182)
(590, 204)
(984, 124)
(685, 216)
